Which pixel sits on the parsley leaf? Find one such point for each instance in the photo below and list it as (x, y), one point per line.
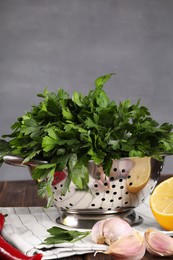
(60, 235)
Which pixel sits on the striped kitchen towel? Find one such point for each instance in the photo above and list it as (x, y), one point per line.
(26, 229)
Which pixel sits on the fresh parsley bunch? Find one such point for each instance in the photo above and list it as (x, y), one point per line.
(68, 132)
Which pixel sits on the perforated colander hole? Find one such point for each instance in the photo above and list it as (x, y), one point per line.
(126, 202)
(55, 188)
(114, 193)
(114, 169)
(92, 205)
(129, 176)
(105, 184)
(60, 198)
(97, 193)
(123, 170)
(109, 209)
(70, 204)
(103, 199)
(111, 200)
(120, 180)
(100, 208)
(95, 185)
(61, 185)
(107, 192)
(120, 198)
(126, 192)
(121, 187)
(111, 178)
(131, 183)
(113, 186)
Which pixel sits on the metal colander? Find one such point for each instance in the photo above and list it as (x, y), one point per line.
(130, 182)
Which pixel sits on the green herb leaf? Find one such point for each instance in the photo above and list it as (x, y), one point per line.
(103, 79)
(79, 175)
(5, 149)
(60, 235)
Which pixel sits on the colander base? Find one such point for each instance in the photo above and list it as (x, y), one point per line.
(86, 221)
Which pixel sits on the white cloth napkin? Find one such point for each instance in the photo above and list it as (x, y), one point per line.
(26, 229)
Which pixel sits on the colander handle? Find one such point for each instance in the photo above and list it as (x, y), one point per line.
(19, 161)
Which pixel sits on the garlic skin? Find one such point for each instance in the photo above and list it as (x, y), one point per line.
(97, 232)
(115, 228)
(157, 243)
(109, 230)
(130, 247)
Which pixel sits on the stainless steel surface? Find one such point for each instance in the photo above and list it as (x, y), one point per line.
(113, 193)
(18, 161)
(88, 220)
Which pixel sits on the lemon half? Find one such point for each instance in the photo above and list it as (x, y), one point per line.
(161, 203)
(139, 174)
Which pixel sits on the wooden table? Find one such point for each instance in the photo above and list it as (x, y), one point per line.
(24, 194)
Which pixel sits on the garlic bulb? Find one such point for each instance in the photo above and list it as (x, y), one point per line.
(109, 230)
(158, 243)
(130, 247)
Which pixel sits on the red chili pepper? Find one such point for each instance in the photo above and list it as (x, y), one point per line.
(8, 252)
(2, 221)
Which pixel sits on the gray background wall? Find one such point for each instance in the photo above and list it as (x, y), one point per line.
(68, 43)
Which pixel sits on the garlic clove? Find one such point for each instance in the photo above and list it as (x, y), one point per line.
(158, 243)
(97, 232)
(115, 228)
(130, 247)
(109, 230)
